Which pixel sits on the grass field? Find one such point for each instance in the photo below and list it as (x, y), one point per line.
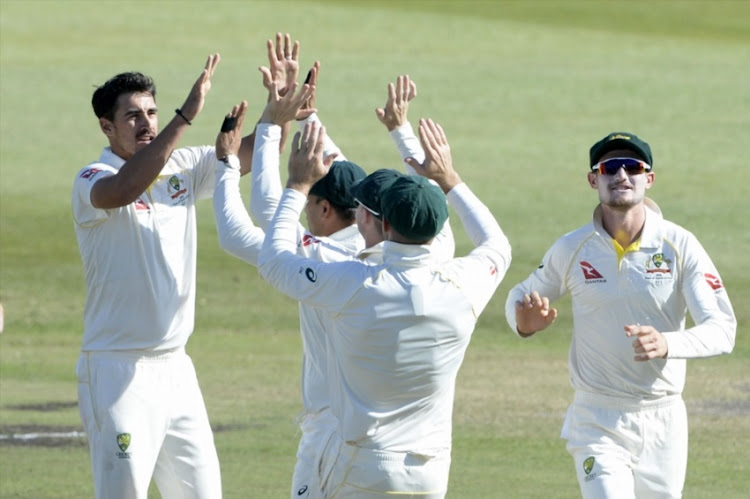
(522, 88)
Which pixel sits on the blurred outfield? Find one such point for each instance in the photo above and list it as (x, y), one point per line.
(522, 90)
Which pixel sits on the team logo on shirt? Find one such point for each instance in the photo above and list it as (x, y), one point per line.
(657, 264)
(123, 442)
(658, 269)
(588, 467)
(590, 273)
(714, 281)
(173, 186)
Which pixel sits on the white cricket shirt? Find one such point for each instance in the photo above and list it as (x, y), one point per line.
(655, 285)
(340, 246)
(139, 260)
(398, 331)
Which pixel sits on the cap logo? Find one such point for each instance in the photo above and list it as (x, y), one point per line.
(618, 136)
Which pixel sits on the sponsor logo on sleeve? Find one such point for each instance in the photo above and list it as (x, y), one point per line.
(311, 275)
(714, 281)
(309, 239)
(140, 205)
(590, 273)
(90, 173)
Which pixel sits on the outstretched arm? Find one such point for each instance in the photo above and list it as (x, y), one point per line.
(488, 262)
(325, 285)
(394, 116)
(266, 177)
(308, 114)
(237, 234)
(283, 68)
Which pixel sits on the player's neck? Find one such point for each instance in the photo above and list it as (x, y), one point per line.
(624, 225)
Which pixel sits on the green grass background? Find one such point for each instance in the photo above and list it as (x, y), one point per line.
(522, 88)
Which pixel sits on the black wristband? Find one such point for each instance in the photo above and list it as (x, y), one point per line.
(179, 113)
(229, 123)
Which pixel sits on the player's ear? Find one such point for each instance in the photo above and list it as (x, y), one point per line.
(649, 179)
(593, 177)
(106, 126)
(326, 208)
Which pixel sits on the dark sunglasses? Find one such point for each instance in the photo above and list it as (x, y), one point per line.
(612, 165)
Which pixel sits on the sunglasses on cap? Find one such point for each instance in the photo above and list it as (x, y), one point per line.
(363, 205)
(611, 166)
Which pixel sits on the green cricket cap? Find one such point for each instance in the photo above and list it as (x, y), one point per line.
(621, 140)
(414, 207)
(336, 185)
(369, 190)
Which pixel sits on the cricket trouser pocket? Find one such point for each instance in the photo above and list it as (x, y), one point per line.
(357, 472)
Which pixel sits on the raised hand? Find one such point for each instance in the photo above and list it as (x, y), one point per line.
(306, 163)
(438, 163)
(533, 314)
(195, 99)
(282, 109)
(394, 113)
(283, 63)
(230, 136)
(312, 79)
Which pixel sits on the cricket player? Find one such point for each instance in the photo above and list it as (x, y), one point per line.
(632, 277)
(134, 213)
(397, 331)
(334, 235)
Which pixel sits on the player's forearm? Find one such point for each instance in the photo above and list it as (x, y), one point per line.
(713, 337)
(281, 236)
(237, 234)
(266, 177)
(245, 153)
(140, 171)
(477, 220)
(408, 145)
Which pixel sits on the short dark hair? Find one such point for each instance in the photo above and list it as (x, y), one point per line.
(345, 213)
(104, 100)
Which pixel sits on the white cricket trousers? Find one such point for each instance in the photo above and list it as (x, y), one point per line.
(144, 416)
(317, 429)
(628, 449)
(350, 472)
